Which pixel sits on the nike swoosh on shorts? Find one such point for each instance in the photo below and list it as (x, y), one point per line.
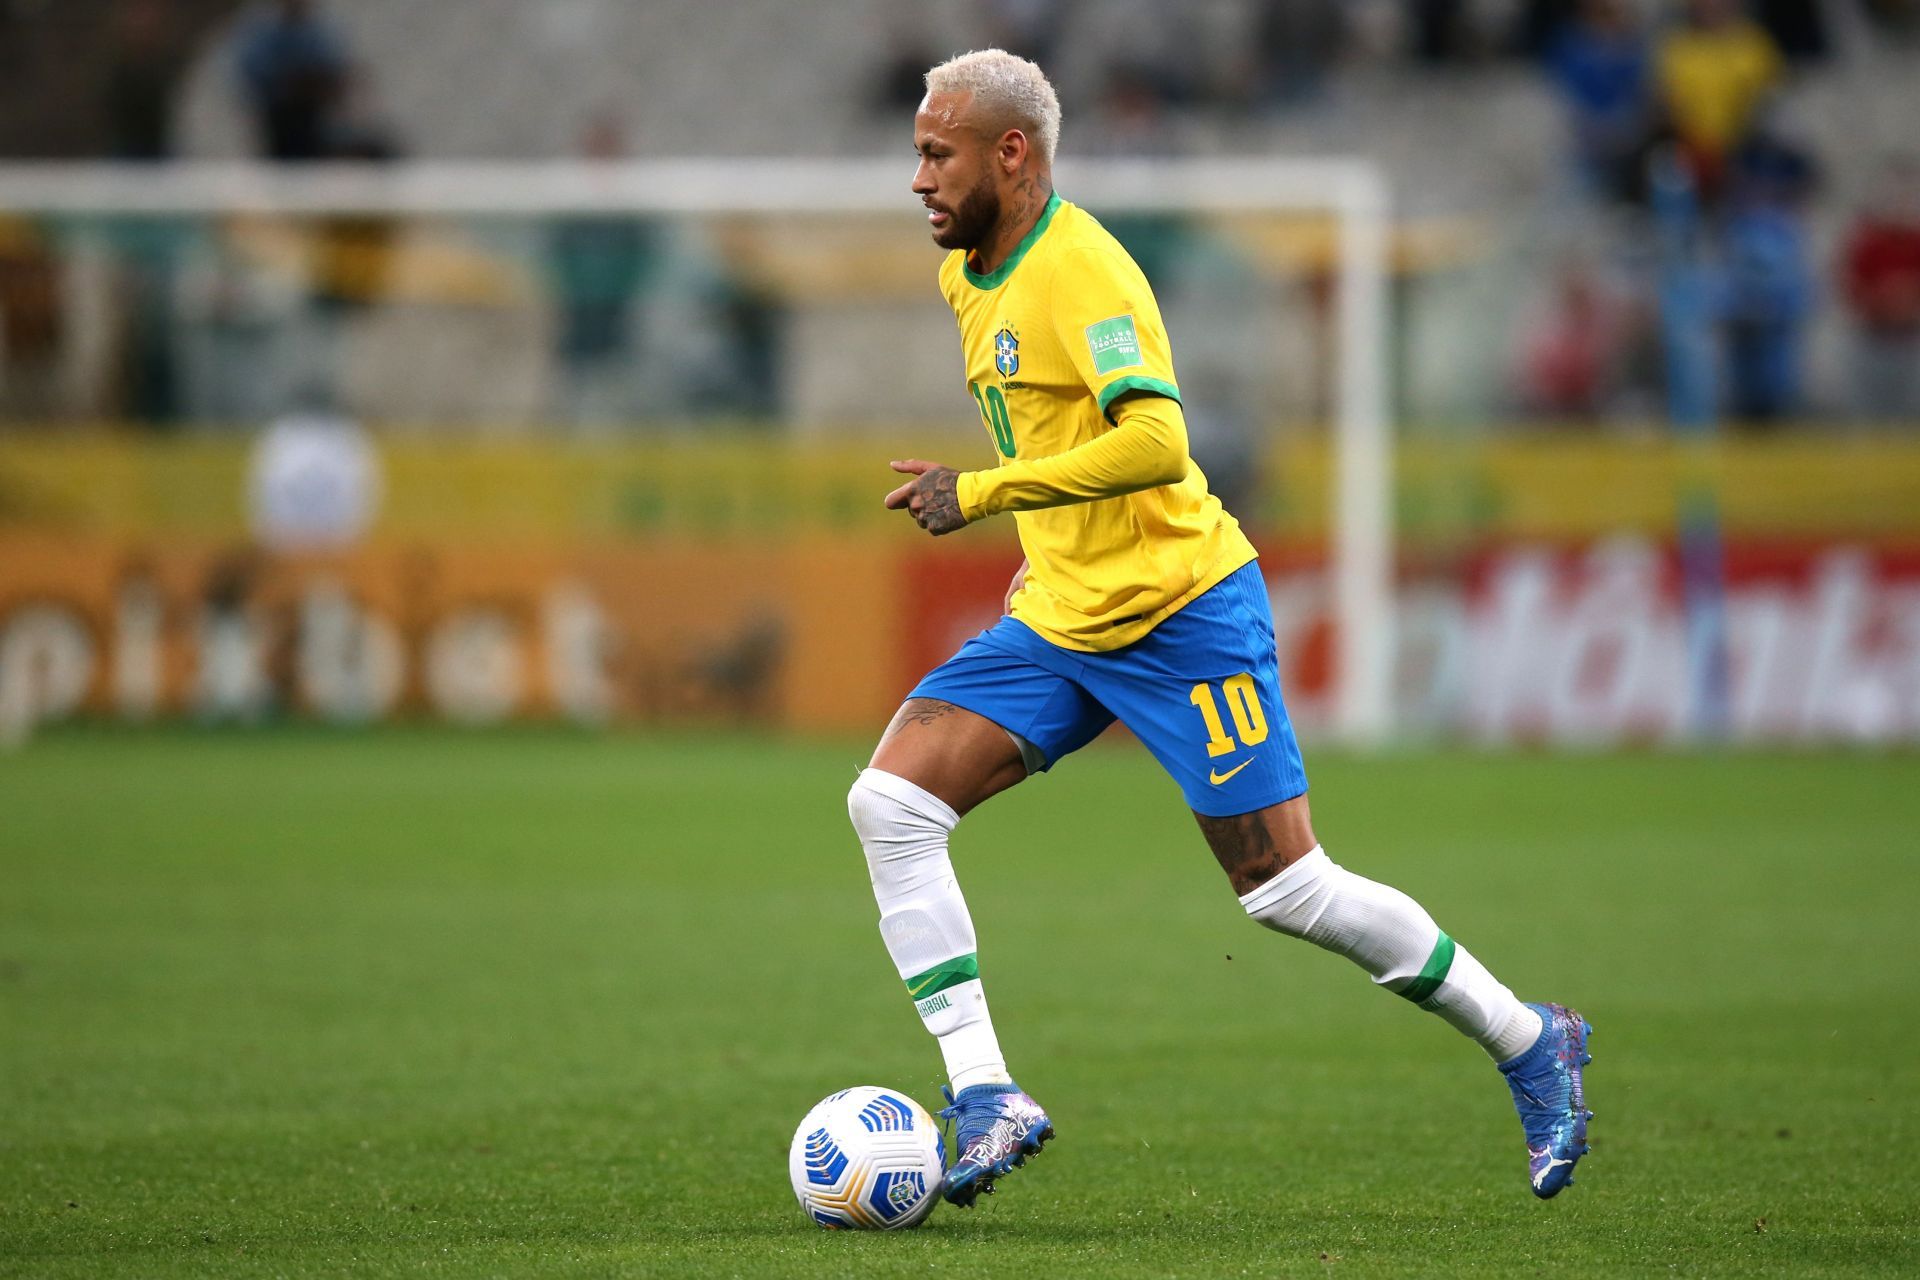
(1217, 778)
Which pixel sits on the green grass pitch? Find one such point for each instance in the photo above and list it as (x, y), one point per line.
(431, 1003)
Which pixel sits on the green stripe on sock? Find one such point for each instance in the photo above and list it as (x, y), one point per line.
(948, 973)
(1421, 989)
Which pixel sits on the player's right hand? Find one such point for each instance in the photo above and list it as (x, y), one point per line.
(932, 497)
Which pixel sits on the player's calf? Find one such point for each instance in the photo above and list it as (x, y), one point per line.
(1393, 938)
(1540, 1048)
(924, 919)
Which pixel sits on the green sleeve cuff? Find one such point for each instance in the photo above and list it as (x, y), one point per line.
(1120, 386)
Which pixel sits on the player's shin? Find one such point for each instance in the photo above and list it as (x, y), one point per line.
(924, 920)
(1393, 938)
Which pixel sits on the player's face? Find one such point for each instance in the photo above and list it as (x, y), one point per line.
(955, 178)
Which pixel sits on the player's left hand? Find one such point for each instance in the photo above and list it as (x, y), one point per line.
(932, 497)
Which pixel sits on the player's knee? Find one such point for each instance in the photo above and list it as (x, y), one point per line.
(867, 808)
(903, 830)
(892, 815)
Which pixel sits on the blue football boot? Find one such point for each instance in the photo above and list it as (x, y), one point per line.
(999, 1127)
(1551, 1098)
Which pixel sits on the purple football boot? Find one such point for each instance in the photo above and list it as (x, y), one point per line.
(998, 1128)
(1551, 1098)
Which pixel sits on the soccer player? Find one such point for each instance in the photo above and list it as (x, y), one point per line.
(1139, 600)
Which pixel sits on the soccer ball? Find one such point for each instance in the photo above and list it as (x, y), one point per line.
(867, 1158)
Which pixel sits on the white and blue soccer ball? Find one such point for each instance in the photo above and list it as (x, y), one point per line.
(867, 1159)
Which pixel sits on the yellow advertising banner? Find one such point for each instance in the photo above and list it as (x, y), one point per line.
(1526, 486)
(746, 582)
(789, 634)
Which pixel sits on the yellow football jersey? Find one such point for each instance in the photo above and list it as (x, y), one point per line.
(1062, 328)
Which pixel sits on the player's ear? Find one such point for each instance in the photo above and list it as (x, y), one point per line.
(1014, 150)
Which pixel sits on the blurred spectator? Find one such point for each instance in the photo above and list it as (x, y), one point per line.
(1149, 44)
(749, 321)
(34, 319)
(1897, 18)
(599, 263)
(1030, 28)
(1772, 159)
(1438, 29)
(1880, 279)
(1374, 31)
(148, 253)
(293, 70)
(1569, 356)
(1294, 44)
(359, 128)
(1714, 73)
(142, 63)
(1132, 116)
(1768, 294)
(354, 254)
(901, 80)
(1601, 63)
(1538, 24)
(1798, 27)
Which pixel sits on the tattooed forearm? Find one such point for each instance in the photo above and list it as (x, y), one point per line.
(940, 501)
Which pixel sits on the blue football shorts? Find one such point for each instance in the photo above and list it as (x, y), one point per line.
(1201, 690)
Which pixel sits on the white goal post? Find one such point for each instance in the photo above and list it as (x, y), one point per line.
(1352, 191)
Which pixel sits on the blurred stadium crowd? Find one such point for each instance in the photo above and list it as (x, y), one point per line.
(1546, 158)
(382, 463)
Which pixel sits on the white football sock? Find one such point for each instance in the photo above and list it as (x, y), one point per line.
(1393, 938)
(924, 920)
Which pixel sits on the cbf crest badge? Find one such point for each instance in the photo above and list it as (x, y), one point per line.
(1006, 353)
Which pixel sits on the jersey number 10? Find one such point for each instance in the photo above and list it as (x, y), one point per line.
(993, 410)
(1243, 704)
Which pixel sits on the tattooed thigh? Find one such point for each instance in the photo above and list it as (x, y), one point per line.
(924, 712)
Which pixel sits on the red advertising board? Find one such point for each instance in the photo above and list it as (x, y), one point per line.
(1594, 643)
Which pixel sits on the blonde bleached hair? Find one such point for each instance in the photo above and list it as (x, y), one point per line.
(1008, 91)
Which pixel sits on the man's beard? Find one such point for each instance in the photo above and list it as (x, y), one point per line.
(971, 221)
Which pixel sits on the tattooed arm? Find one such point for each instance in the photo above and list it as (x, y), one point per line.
(1146, 448)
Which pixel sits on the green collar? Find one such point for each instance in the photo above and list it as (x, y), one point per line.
(998, 276)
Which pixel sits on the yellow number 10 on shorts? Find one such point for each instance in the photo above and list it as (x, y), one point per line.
(1243, 703)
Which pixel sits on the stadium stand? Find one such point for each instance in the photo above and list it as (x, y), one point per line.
(1490, 231)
